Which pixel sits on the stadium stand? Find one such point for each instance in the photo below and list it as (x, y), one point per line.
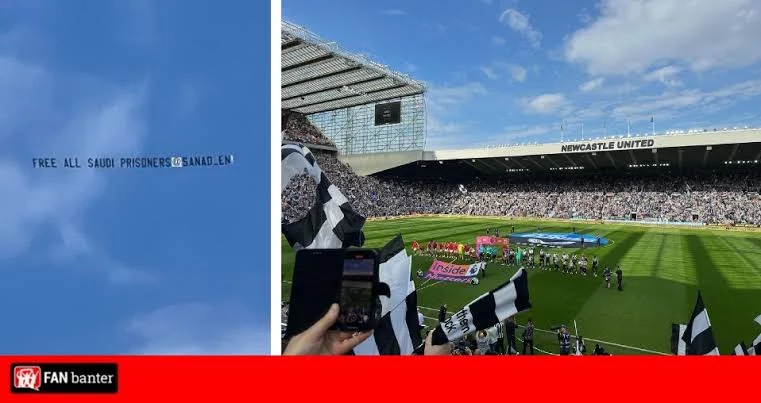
(694, 177)
(297, 128)
(729, 197)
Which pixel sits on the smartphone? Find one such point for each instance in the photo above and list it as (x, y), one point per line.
(322, 277)
(358, 298)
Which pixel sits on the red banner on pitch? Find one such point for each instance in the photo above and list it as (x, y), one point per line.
(304, 379)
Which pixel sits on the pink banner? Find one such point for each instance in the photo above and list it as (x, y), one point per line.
(444, 271)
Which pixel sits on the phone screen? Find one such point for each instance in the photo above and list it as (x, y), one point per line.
(356, 299)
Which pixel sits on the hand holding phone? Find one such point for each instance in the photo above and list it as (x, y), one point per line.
(322, 277)
(321, 340)
(359, 308)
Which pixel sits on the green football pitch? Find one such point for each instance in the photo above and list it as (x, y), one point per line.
(664, 267)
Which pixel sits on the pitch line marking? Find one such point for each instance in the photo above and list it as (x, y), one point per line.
(585, 338)
(428, 286)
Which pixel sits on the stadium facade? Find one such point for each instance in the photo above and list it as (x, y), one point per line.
(362, 106)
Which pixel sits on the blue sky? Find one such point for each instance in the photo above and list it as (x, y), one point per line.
(134, 261)
(507, 71)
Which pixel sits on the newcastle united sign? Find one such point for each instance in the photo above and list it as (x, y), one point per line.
(607, 145)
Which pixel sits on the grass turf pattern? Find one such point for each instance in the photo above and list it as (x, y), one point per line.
(663, 268)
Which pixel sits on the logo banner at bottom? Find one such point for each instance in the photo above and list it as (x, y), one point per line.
(64, 378)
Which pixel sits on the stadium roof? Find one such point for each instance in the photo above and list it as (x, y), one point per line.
(318, 76)
(703, 151)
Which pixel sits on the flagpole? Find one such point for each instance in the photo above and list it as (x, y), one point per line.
(582, 131)
(652, 120)
(576, 330)
(562, 128)
(604, 128)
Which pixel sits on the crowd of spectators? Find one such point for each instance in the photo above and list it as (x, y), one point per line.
(296, 127)
(727, 198)
(718, 198)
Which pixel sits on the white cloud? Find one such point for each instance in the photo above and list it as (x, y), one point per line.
(489, 73)
(445, 125)
(46, 114)
(665, 75)
(584, 16)
(517, 132)
(224, 328)
(394, 12)
(632, 36)
(510, 135)
(519, 23)
(546, 104)
(443, 134)
(592, 85)
(498, 40)
(676, 103)
(517, 72)
(495, 71)
(444, 96)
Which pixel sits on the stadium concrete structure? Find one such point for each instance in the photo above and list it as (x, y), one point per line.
(678, 153)
(338, 92)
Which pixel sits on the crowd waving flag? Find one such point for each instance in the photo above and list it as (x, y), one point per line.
(331, 222)
(487, 310)
(398, 331)
(698, 335)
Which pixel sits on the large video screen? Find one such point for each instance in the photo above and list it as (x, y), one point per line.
(389, 113)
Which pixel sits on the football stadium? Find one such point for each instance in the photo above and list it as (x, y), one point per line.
(625, 240)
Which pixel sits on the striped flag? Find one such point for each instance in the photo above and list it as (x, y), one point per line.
(678, 346)
(331, 222)
(398, 331)
(698, 335)
(740, 349)
(755, 348)
(487, 310)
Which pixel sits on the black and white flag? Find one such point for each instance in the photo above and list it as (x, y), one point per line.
(331, 222)
(398, 331)
(698, 335)
(755, 348)
(678, 346)
(740, 349)
(487, 310)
